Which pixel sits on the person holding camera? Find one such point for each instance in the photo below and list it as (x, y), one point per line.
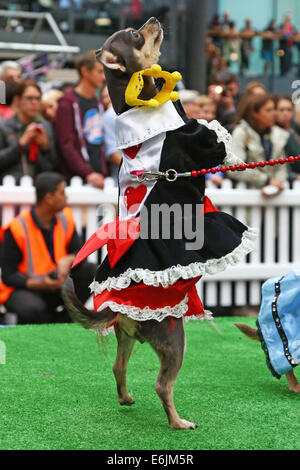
(38, 250)
(226, 94)
(26, 140)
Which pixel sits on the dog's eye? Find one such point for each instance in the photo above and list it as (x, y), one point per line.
(135, 34)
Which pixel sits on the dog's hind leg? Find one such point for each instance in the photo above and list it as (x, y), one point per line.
(168, 340)
(125, 346)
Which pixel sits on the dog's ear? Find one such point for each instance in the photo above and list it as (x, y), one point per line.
(110, 60)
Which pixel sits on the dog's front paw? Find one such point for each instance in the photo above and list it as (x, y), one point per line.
(183, 424)
(126, 401)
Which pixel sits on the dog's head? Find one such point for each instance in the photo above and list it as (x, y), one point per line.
(130, 50)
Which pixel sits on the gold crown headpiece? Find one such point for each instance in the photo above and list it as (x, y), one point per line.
(167, 92)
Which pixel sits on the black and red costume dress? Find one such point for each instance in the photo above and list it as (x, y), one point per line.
(156, 277)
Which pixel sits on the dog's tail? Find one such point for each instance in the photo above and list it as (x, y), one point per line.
(248, 331)
(79, 314)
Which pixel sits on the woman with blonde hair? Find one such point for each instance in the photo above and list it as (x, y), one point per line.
(208, 108)
(50, 103)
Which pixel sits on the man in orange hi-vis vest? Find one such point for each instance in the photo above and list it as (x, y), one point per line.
(38, 249)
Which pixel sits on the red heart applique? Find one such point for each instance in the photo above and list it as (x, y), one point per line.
(133, 197)
(132, 152)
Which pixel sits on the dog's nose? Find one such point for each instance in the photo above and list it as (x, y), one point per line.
(153, 20)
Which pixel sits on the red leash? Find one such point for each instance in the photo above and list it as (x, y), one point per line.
(244, 166)
(172, 175)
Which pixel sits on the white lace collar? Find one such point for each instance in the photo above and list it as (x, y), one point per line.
(139, 124)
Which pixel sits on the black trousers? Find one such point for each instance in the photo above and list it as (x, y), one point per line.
(34, 307)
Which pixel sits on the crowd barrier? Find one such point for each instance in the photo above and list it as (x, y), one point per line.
(278, 220)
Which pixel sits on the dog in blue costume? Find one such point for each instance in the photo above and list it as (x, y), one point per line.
(279, 325)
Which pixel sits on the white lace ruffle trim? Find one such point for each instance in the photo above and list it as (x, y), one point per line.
(223, 136)
(206, 316)
(171, 275)
(136, 313)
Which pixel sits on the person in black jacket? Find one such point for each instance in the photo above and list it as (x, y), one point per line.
(26, 140)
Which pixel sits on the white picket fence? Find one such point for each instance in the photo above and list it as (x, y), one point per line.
(238, 285)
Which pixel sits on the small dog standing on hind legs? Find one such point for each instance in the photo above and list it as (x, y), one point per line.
(146, 287)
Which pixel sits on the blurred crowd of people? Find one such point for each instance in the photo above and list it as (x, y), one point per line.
(226, 45)
(60, 130)
(68, 132)
(71, 131)
(263, 127)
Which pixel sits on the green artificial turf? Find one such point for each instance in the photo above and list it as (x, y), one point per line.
(58, 392)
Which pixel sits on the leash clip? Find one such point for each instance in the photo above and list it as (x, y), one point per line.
(169, 175)
(150, 176)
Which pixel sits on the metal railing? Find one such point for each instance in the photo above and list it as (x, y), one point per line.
(61, 47)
